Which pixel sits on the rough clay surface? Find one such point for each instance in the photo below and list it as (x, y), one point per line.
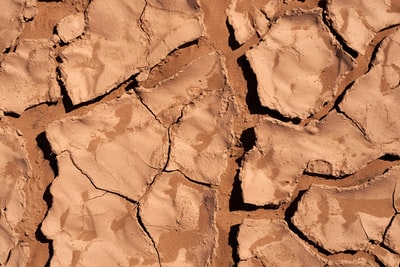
(15, 169)
(199, 133)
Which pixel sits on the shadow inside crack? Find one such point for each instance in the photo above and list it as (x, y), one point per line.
(44, 145)
(248, 139)
(233, 243)
(233, 44)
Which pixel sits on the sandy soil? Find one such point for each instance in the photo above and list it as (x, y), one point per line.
(325, 150)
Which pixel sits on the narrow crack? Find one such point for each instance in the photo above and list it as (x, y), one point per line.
(361, 129)
(142, 225)
(95, 186)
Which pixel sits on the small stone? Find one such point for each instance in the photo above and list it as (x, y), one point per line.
(71, 27)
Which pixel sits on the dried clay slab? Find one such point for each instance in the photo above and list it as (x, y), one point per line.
(180, 217)
(350, 218)
(373, 100)
(28, 76)
(271, 169)
(123, 39)
(198, 106)
(92, 227)
(298, 64)
(265, 242)
(359, 21)
(118, 145)
(15, 169)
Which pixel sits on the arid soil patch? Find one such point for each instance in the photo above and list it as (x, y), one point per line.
(199, 133)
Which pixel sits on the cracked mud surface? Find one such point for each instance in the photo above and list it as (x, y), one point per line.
(199, 133)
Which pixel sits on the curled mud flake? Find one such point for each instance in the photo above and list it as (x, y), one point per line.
(179, 212)
(70, 27)
(14, 170)
(270, 170)
(298, 65)
(11, 25)
(119, 145)
(167, 99)
(271, 243)
(358, 22)
(372, 102)
(240, 22)
(91, 227)
(27, 76)
(122, 40)
(348, 218)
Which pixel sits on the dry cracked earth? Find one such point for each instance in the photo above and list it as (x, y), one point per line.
(200, 133)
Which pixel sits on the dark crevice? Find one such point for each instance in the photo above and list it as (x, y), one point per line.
(233, 44)
(234, 244)
(11, 114)
(139, 219)
(382, 245)
(43, 143)
(325, 18)
(252, 98)
(248, 139)
(326, 176)
(186, 45)
(289, 213)
(340, 98)
(236, 201)
(390, 157)
(373, 55)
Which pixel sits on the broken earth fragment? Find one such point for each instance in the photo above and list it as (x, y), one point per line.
(271, 243)
(359, 21)
(349, 218)
(28, 76)
(298, 64)
(14, 171)
(119, 145)
(270, 170)
(372, 101)
(122, 40)
(240, 23)
(70, 27)
(198, 106)
(176, 211)
(91, 227)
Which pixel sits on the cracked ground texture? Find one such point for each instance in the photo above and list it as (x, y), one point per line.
(199, 133)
